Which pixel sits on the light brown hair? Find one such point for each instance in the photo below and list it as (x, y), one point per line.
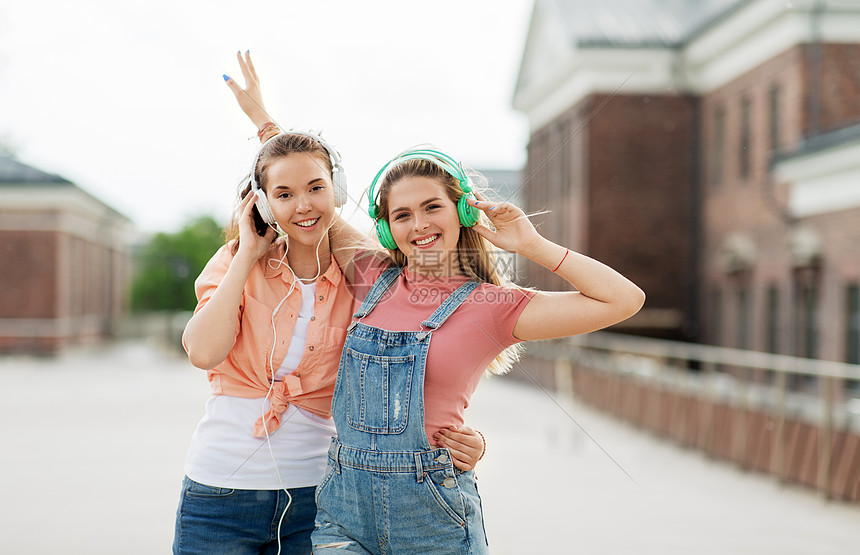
(477, 257)
(279, 146)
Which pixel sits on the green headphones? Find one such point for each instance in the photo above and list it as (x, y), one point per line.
(469, 215)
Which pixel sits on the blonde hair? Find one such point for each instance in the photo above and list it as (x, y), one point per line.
(476, 257)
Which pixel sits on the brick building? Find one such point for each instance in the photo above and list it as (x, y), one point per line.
(64, 262)
(710, 150)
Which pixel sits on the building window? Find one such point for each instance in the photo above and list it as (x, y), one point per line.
(808, 305)
(744, 153)
(743, 318)
(562, 187)
(716, 317)
(772, 319)
(805, 325)
(774, 118)
(719, 146)
(852, 324)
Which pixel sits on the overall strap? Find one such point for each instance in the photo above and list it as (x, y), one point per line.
(380, 286)
(451, 304)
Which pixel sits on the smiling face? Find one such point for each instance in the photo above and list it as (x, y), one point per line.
(299, 190)
(424, 224)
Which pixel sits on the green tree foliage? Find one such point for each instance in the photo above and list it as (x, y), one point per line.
(168, 265)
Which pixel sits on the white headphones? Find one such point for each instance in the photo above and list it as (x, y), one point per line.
(338, 177)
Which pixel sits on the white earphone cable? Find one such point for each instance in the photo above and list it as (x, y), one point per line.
(278, 264)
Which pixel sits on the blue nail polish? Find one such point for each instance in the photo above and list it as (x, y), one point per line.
(492, 208)
(225, 77)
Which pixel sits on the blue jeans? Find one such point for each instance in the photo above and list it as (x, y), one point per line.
(213, 520)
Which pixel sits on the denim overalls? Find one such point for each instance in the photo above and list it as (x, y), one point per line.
(386, 490)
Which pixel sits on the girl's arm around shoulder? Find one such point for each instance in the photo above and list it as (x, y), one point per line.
(603, 297)
(346, 241)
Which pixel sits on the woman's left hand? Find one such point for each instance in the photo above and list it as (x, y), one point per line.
(465, 445)
(250, 98)
(514, 232)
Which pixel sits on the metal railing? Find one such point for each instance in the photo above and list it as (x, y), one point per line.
(786, 389)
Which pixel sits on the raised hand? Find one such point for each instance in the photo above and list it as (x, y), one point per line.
(250, 98)
(250, 242)
(513, 230)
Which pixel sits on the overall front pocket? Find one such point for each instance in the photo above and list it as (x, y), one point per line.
(377, 392)
(445, 490)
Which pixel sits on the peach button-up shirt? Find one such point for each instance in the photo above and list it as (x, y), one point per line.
(246, 371)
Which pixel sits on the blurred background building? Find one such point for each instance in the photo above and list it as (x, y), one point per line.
(64, 262)
(711, 150)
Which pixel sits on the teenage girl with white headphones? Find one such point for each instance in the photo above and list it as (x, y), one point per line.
(269, 327)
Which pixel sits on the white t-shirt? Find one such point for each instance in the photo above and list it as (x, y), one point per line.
(224, 453)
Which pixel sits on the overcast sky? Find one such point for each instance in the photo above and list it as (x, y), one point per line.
(126, 99)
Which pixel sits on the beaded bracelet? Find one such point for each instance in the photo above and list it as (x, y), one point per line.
(484, 440)
(263, 128)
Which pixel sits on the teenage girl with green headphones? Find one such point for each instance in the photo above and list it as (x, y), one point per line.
(437, 315)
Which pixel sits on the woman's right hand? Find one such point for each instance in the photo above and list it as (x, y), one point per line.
(211, 332)
(250, 98)
(250, 242)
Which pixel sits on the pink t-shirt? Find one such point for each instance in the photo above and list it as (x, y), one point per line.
(461, 349)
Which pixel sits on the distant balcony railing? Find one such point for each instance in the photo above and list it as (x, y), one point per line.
(795, 418)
